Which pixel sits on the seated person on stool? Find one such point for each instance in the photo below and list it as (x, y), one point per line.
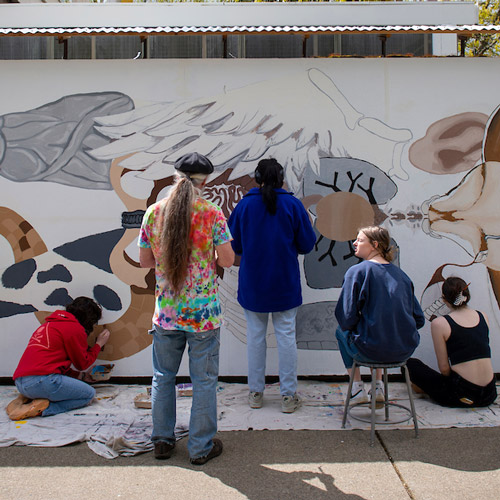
(44, 377)
(461, 343)
(377, 311)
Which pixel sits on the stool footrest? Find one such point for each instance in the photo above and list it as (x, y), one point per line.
(388, 422)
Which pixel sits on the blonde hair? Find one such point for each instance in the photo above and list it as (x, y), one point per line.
(175, 243)
(382, 237)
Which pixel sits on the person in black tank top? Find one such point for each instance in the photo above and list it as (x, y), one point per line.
(460, 350)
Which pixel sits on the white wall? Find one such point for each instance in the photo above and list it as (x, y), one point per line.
(369, 110)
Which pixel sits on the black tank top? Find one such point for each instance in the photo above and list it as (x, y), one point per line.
(468, 343)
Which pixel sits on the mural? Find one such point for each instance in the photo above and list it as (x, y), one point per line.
(78, 170)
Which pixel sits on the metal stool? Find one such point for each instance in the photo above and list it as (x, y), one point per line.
(387, 403)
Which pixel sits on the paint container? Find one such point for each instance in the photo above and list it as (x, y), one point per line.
(101, 373)
(184, 390)
(143, 400)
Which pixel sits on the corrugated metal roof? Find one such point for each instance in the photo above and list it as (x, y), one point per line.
(466, 30)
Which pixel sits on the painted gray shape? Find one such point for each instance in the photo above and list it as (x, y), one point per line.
(316, 325)
(59, 297)
(94, 249)
(17, 275)
(335, 261)
(12, 309)
(349, 175)
(108, 298)
(56, 273)
(51, 143)
(326, 265)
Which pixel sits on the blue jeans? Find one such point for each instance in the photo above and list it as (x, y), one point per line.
(64, 393)
(348, 349)
(203, 351)
(284, 329)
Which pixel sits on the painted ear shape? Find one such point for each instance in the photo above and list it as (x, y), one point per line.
(450, 145)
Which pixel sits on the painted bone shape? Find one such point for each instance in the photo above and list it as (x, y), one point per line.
(470, 211)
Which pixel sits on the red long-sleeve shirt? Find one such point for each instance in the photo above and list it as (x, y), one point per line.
(56, 345)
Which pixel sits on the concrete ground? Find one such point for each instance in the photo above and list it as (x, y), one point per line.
(271, 465)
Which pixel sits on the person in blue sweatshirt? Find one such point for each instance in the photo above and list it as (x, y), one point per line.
(270, 228)
(377, 311)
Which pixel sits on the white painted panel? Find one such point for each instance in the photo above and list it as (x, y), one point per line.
(374, 110)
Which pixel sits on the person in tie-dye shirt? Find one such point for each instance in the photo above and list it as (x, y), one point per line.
(183, 237)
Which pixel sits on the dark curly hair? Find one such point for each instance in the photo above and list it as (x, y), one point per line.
(86, 311)
(456, 290)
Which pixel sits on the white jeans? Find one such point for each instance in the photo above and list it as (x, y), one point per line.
(284, 328)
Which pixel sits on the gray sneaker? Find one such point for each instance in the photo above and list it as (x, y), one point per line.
(290, 403)
(255, 399)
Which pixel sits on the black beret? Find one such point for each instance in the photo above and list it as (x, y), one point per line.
(194, 163)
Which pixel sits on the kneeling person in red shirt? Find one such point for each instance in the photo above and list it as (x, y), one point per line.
(44, 377)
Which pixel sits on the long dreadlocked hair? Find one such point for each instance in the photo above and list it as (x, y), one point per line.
(175, 242)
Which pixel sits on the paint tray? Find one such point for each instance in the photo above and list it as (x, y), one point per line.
(143, 400)
(101, 373)
(184, 390)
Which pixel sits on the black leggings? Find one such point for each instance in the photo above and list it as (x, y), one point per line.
(452, 391)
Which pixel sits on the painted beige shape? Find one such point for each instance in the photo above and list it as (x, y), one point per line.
(121, 264)
(471, 212)
(450, 145)
(340, 215)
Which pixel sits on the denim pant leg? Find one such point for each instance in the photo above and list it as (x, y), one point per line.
(284, 329)
(344, 347)
(204, 371)
(168, 347)
(64, 393)
(348, 349)
(256, 349)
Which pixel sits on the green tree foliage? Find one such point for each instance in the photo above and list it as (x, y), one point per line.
(486, 45)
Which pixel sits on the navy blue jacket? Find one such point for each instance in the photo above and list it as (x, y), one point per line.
(378, 306)
(269, 276)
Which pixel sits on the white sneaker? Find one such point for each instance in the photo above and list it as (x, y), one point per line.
(358, 393)
(379, 395)
(290, 403)
(255, 399)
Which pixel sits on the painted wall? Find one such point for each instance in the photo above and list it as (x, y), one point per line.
(86, 146)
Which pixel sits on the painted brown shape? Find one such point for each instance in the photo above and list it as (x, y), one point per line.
(450, 145)
(24, 240)
(340, 215)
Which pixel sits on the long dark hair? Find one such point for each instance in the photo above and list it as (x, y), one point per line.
(86, 311)
(270, 176)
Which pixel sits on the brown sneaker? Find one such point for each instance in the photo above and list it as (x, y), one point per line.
(163, 450)
(32, 408)
(214, 452)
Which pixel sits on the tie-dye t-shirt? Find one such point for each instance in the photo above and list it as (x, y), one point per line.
(197, 307)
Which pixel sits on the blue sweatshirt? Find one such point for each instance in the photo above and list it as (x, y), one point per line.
(269, 276)
(377, 304)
